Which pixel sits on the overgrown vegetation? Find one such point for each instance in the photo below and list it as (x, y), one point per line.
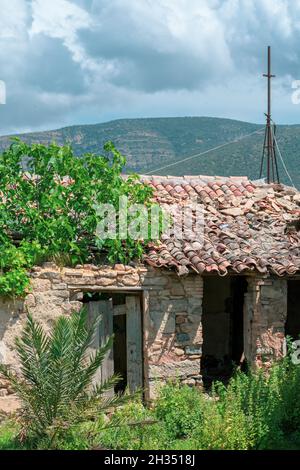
(257, 410)
(56, 384)
(48, 203)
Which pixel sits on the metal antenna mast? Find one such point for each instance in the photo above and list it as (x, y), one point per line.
(269, 141)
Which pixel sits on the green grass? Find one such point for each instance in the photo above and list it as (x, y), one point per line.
(255, 411)
(8, 433)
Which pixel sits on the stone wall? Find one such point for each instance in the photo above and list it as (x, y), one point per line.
(265, 313)
(172, 329)
(173, 345)
(172, 318)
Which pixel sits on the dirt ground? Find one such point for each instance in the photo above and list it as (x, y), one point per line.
(9, 404)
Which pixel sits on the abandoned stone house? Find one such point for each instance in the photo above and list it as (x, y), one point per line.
(191, 309)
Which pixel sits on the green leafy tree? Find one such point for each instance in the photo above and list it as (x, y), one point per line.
(56, 383)
(48, 201)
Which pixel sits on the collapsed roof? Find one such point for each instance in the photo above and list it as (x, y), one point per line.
(248, 226)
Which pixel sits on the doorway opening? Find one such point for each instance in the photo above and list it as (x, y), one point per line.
(292, 326)
(223, 327)
(120, 316)
(120, 351)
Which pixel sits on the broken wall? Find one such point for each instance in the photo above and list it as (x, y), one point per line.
(265, 313)
(172, 306)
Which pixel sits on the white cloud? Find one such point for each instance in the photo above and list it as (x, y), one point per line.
(58, 18)
(13, 18)
(61, 19)
(74, 61)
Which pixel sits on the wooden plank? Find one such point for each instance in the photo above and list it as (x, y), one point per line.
(146, 329)
(104, 331)
(134, 343)
(93, 313)
(120, 310)
(91, 288)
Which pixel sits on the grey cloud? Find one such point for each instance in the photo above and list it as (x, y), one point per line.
(151, 57)
(139, 58)
(249, 26)
(147, 71)
(252, 25)
(50, 67)
(25, 110)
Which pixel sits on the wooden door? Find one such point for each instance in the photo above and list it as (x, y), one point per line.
(134, 343)
(133, 339)
(104, 309)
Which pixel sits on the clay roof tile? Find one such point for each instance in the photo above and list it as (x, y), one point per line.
(244, 226)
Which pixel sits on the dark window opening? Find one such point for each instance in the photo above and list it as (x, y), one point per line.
(120, 352)
(223, 327)
(117, 298)
(292, 326)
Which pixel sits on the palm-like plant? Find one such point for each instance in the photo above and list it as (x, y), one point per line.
(55, 386)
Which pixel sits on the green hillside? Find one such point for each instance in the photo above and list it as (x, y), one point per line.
(152, 143)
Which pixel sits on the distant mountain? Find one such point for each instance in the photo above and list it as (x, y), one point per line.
(153, 143)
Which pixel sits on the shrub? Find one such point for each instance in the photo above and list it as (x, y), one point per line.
(56, 384)
(180, 408)
(225, 424)
(283, 410)
(134, 427)
(255, 411)
(48, 202)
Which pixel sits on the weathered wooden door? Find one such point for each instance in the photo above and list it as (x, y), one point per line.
(134, 343)
(104, 309)
(132, 310)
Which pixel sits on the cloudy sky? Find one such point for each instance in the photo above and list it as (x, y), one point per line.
(83, 61)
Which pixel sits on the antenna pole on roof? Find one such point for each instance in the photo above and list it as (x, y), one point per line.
(269, 141)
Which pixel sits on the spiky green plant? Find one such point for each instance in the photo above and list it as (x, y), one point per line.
(56, 382)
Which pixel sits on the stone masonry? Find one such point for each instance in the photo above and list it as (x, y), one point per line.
(172, 309)
(265, 313)
(172, 334)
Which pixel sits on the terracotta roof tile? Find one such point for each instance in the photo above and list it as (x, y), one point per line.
(244, 226)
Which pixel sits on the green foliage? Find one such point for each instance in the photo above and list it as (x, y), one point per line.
(257, 410)
(49, 200)
(56, 385)
(175, 406)
(8, 431)
(254, 411)
(134, 427)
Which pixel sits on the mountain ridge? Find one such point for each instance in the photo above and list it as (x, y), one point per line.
(151, 143)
